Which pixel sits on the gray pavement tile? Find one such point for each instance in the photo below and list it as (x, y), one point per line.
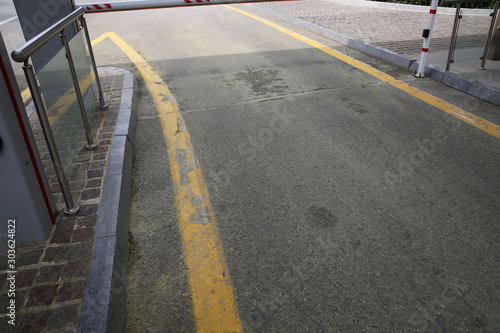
(80, 250)
(29, 257)
(42, 295)
(34, 321)
(63, 317)
(56, 254)
(71, 290)
(25, 277)
(49, 274)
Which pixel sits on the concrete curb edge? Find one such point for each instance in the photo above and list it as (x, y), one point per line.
(103, 304)
(457, 81)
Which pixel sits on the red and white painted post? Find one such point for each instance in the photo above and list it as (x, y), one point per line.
(427, 39)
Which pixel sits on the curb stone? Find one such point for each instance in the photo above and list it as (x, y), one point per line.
(104, 299)
(457, 81)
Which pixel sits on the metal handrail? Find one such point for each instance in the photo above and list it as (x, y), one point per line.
(22, 53)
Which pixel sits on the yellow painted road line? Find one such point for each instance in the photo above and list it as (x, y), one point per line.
(100, 39)
(463, 115)
(211, 289)
(26, 95)
(62, 105)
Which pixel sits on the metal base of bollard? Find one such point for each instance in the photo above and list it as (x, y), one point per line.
(91, 147)
(102, 107)
(71, 212)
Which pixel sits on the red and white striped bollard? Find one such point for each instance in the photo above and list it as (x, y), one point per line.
(427, 39)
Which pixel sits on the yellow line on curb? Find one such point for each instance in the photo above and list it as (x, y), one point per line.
(465, 116)
(211, 288)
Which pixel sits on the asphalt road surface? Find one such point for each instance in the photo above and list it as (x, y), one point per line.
(343, 204)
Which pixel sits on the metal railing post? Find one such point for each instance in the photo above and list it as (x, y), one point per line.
(71, 208)
(91, 52)
(454, 36)
(490, 33)
(88, 132)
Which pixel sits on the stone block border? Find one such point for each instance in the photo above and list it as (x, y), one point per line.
(104, 299)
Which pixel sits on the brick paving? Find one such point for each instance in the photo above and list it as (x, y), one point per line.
(398, 30)
(51, 277)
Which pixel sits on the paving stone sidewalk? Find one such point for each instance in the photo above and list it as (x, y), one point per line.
(397, 29)
(51, 277)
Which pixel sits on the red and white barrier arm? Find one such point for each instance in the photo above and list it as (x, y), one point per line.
(149, 4)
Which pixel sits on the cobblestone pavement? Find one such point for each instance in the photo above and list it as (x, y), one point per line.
(51, 277)
(398, 30)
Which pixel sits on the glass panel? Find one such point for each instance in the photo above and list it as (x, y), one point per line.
(85, 72)
(56, 84)
(472, 34)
